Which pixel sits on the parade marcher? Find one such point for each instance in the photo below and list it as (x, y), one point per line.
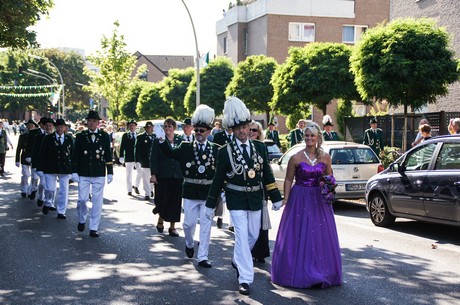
(91, 161)
(21, 158)
(128, 156)
(188, 128)
(296, 135)
(221, 138)
(4, 142)
(38, 140)
(167, 177)
(143, 149)
(328, 133)
(198, 165)
(273, 134)
(28, 156)
(373, 137)
(54, 165)
(243, 165)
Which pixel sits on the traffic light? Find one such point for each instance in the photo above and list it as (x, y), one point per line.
(20, 71)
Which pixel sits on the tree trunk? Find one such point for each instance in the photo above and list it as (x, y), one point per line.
(404, 138)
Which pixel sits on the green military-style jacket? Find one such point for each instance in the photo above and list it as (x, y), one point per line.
(162, 166)
(144, 144)
(92, 159)
(21, 149)
(274, 136)
(225, 173)
(127, 147)
(332, 137)
(374, 140)
(296, 136)
(221, 138)
(54, 157)
(190, 161)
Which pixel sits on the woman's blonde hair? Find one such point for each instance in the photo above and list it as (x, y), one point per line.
(316, 130)
(261, 136)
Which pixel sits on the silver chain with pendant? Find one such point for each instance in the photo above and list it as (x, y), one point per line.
(312, 162)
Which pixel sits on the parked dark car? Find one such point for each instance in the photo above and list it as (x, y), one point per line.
(274, 152)
(423, 184)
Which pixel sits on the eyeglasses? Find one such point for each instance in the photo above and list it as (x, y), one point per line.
(254, 130)
(199, 130)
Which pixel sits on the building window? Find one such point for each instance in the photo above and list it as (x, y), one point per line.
(353, 33)
(301, 31)
(246, 43)
(225, 45)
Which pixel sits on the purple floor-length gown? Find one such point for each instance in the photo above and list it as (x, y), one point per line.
(307, 251)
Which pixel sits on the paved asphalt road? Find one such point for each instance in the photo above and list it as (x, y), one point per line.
(44, 260)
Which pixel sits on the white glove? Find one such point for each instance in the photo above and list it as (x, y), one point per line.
(75, 177)
(40, 174)
(122, 160)
(138, 165)
(159, 132)
(208, 213)
(18, 164)
(277, 205)
(109, 178)
(28, 159)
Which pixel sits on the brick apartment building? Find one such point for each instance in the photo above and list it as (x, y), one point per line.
(270, 27)
(446, 13)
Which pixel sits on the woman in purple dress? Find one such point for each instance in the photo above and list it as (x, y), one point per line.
(307, 251)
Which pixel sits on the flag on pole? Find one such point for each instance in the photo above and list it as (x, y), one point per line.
(204, 60)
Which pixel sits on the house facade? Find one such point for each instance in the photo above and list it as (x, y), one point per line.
(159, 65)
(271, 27)
(446, 13)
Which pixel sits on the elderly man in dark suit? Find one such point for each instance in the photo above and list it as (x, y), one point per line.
(373, 137)
(296, 135)
(243, 165)
(54, 165)
(21, 158)
(128, 156)
(272, 134)
(143, 149)
(91, 161)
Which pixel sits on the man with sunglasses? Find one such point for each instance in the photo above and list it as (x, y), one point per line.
(243, 165)
(198, 165)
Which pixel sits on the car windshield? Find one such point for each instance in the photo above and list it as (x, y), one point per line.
(353, 155)
(273, 149)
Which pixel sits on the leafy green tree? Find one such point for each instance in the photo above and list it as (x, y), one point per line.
(213, 81)
(175, 88)
(16, 16)
(314, 74)
(408, 62)
(150, 104)
(128, 108)
(115, 68)
(344, 109)
(251, 82)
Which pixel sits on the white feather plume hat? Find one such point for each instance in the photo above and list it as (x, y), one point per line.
(327, 120)
(235, 113)
(203, 116)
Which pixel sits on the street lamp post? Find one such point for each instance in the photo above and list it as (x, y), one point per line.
(197, 58)
(62, 83)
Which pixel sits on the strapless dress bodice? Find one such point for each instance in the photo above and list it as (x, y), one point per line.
(308, 175)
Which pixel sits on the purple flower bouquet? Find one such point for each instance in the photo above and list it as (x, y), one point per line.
(328, 184)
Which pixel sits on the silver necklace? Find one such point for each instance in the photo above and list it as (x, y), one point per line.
(312, 162)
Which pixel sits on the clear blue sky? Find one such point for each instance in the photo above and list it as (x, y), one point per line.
(152, 27)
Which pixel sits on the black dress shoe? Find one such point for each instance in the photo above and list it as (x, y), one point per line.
(147, 198)
(244, 289)
(61, 216)
(260, 260)
(32, 195)
(130, 193)
(39, 202)
(23, 195)
(81, 227)
(236, 268)
(52, 208)
(220, 223)
(189, 251)
(136, 190)
(205, 264)
(155, 210)
(160, 228)
(93, 233)
(232, 229)
(45, 209)
(173, 232)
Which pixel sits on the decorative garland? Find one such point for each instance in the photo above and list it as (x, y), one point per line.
(28, 87)
(26, 94)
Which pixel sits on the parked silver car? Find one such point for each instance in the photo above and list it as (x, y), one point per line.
(352, 165)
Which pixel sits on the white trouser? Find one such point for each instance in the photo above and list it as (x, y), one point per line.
(41, 188)
(247, 226)
(138, 175)
(144, 175)
(33, 182)
(129, 176)
(25, 175)
(63, 194)
(96, 184)
(192, 210)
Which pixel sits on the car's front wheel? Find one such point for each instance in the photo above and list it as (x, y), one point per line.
(378, 211)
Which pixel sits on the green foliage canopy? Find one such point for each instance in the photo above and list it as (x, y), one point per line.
(16, 16)
(407, 62)
(150, 104)
(213, 81)
(251, 82)
(174, 90)
(314, 74)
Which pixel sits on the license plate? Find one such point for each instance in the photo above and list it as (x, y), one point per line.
(355, 187)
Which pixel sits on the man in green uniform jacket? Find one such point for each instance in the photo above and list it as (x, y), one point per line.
(373, 137)
(21, 158)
